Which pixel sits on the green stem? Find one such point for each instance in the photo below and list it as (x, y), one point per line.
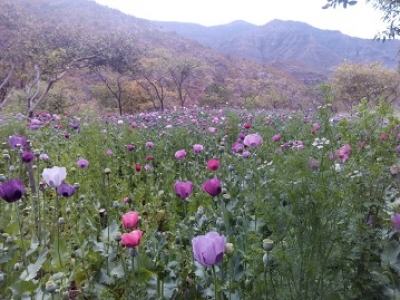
(20, 233)
(58, 227)
(215, 284)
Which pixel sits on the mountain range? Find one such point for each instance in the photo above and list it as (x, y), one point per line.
(277, 64)
(292, 46)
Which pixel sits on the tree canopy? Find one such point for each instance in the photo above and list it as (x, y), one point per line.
(389, 8)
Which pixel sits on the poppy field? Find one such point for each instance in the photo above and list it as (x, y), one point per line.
(201, 204)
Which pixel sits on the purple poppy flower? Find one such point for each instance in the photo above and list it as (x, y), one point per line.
(241, 136)
(17, 141)
(276, 138)
(183, 189)
(237, 147)
(396, 221)
(253, 140)
(197, 148)
(149, 145)
(27, 157)
(12, 190)
(130, 147)
(82, 163)
(212, 187)
(208, 249)
(180, 154)
(66, 190)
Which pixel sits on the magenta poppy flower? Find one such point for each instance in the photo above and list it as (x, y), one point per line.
(27, 157)
(109, 152)
(66, 190)
(130, 219)
(82, 163)
(12, 190)
(212, 187)
(17, 141)
(315, 128)
(246, 125)
(213, 164)
(183, 189)
(132, 239)
(149, 145)
(253, 140)
(241, 136)
(396, 221)
(180, 154)
(208, 249)
(197, 148)
(344, 153)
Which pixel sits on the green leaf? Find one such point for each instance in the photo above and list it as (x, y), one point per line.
(32, 269)
(20, 287)
(118, 271)
(109, 232)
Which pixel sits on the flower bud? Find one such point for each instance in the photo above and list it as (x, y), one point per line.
(116, 204)
(1, 277)
(107, 171)
(61, 221)
(229, 249)
(117, 236)
(16, 266)
(248, 284)
(67, 210)
(51, 286)
(36, 152)
(77, 185)
(220, 224)
(2, 178)
(133, 252)
(6, 156)
(161, 215)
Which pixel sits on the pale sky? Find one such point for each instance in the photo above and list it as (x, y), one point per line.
(360, 20)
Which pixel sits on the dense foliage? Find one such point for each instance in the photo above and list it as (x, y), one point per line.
(199, 204)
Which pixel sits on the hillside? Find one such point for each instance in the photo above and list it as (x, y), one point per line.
(288, 41)
(216, 78)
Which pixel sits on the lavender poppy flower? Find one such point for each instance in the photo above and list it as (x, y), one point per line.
(17, 141)
(180, 154)
(212, 187)
(54, 176)
(66, 190)
(149, 145)
(208, 250)
(183, 189)
(253, 140)
(12, 190)
(82, 163)
(197, 148)
(27, 157)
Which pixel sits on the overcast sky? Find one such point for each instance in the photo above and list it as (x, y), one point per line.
(360, 20)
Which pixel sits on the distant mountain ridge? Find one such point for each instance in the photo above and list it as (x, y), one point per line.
(284, 41)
